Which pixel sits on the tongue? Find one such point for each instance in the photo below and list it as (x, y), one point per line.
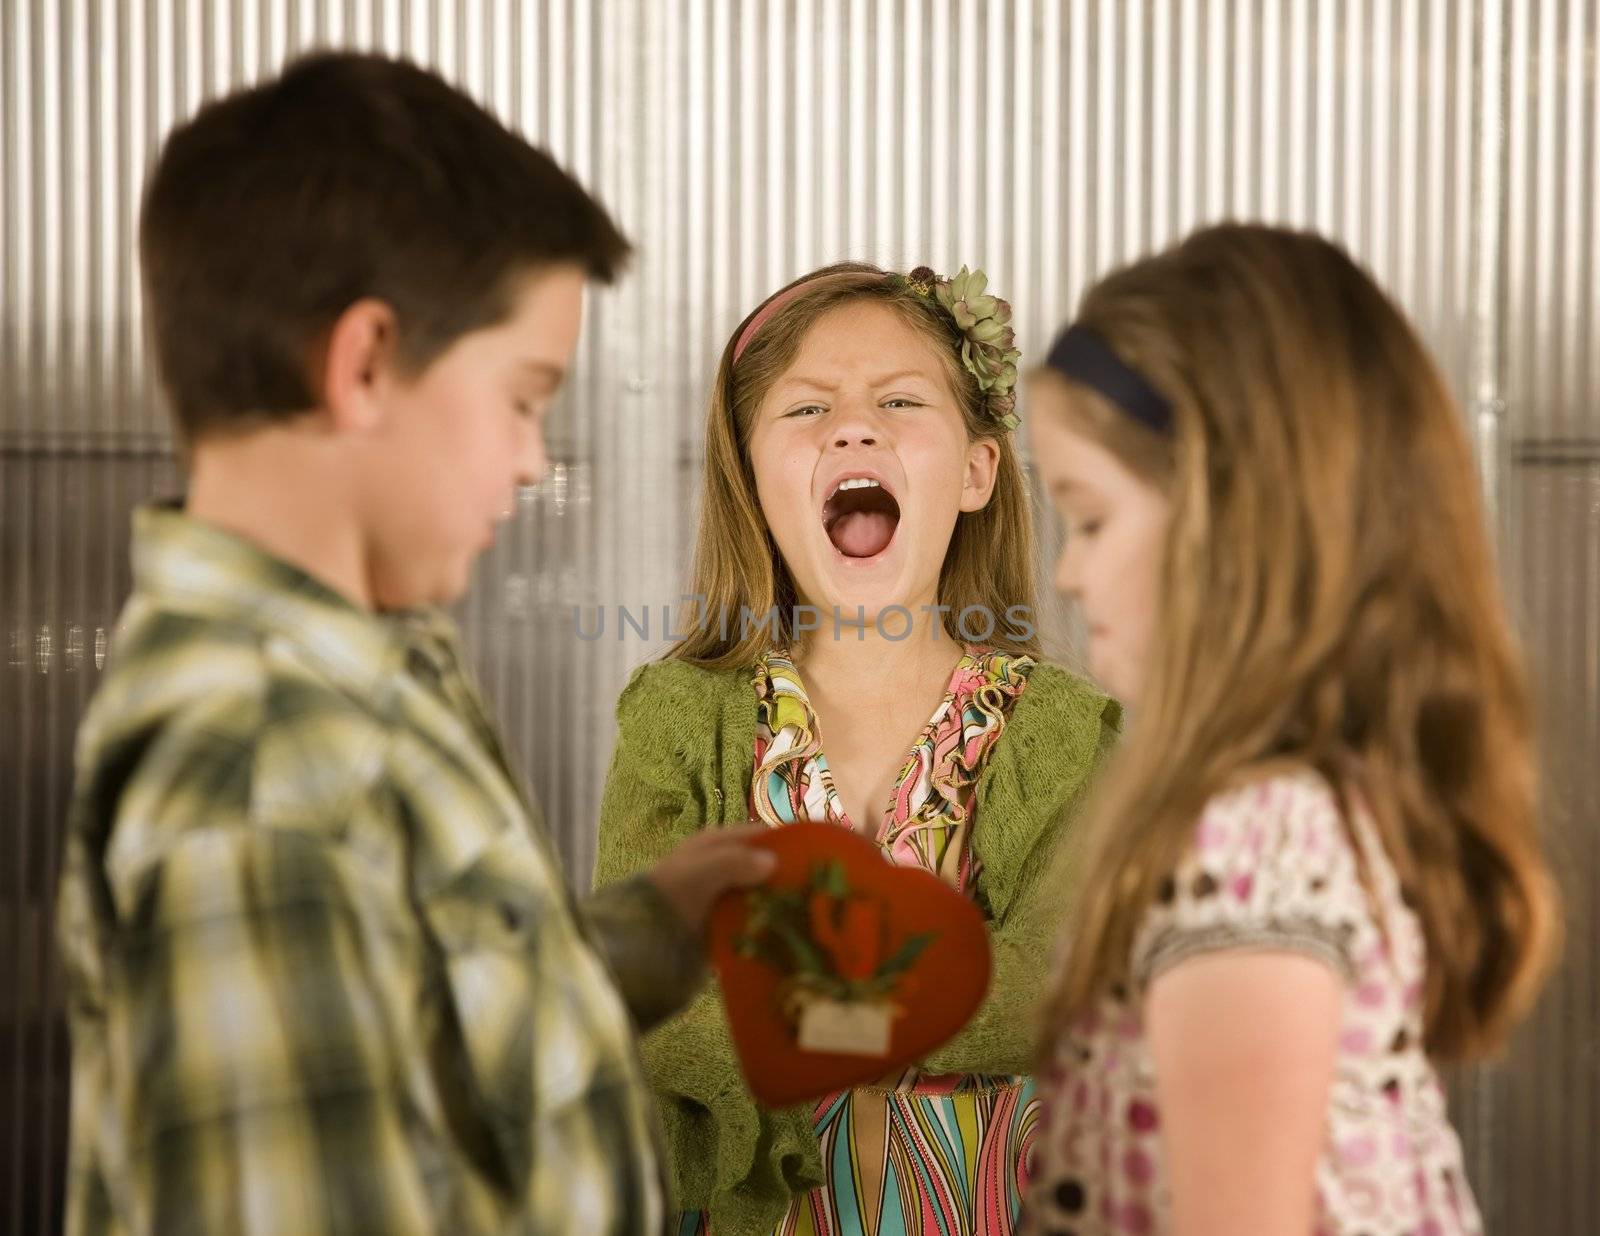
(861, 534)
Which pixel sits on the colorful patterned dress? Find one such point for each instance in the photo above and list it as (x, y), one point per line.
(917, 1154)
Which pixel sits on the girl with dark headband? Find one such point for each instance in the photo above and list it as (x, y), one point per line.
(863, 489)
(1313, 870)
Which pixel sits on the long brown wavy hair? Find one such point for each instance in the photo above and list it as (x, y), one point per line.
(1329, 600)
(737, 566)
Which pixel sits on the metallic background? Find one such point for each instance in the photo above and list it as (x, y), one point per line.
(1452, 144)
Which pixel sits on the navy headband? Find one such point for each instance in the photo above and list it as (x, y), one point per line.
(1083, 356)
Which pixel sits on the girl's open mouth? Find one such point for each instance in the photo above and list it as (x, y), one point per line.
(860, 517)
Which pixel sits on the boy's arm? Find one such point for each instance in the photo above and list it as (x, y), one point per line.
(657, 960)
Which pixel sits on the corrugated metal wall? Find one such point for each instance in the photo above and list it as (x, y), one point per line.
(1541, 1117)
(1451, 143)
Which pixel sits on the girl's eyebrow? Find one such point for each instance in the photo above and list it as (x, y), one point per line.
(897, 376)
(818, 384)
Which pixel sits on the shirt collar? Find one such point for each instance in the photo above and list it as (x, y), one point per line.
(186, 564)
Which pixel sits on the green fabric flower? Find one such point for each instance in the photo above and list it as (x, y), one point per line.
(988, 345)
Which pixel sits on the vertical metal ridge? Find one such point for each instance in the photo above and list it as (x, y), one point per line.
(805, 185)
(942, 240)
(775, 256)
(916, 83)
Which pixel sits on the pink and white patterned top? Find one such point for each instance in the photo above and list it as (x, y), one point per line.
(1273, 867)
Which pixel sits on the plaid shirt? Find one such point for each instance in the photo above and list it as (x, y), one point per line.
(325, 975)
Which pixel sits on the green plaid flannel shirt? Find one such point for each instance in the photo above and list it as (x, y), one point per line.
(325, 975)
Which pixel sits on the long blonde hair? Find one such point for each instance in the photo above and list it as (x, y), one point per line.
(737, 566)
(1329, 599)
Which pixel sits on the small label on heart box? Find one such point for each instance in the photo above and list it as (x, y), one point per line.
(855, 1028)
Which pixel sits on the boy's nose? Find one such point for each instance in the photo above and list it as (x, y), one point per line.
(532, 461)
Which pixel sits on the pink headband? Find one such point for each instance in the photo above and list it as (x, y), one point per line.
(766, 312)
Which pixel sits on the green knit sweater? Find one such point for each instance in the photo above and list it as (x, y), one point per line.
(684, 758)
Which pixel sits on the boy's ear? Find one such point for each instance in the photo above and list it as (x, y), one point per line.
(983, 466)
(360, 356)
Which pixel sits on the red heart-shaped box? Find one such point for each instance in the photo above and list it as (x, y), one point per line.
(946, 983)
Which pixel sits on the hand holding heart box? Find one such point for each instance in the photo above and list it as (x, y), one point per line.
(843, 967)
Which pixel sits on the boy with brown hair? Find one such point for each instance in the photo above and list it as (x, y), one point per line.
(325, 973)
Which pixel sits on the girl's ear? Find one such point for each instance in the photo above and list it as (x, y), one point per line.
(983, 465)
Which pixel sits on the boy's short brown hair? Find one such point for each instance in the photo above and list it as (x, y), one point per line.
(347, 176)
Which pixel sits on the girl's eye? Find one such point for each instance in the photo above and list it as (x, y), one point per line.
(808, 410)
(903, 403)
(1085, 528)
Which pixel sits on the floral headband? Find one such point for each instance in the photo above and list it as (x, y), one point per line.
(988, 344)
(988, 350)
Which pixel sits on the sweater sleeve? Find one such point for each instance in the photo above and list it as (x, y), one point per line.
(1030, 801)
(730, 1156)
